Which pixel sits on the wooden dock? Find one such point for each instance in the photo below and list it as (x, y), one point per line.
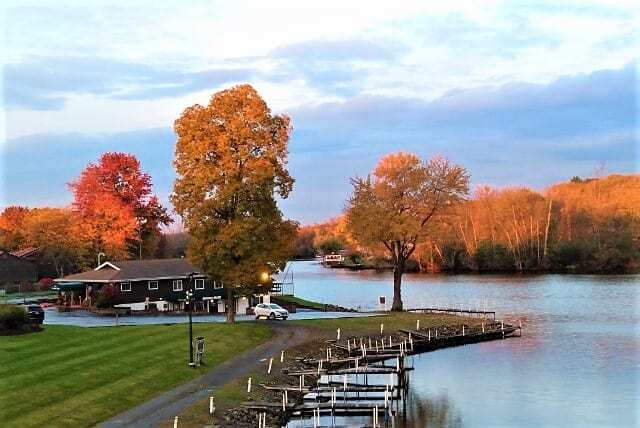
(454, 311)
(358, 360)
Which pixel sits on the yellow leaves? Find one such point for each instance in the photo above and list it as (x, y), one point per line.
(230, 161)
(404, 197)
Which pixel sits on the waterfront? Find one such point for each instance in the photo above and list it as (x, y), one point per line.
(576, 364)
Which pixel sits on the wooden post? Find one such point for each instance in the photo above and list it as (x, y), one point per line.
(249, 385)
(418, 325)
(212, 408)
(338, 334)
(281, 356)
(270, 364)
(175, 422)
(381, 328)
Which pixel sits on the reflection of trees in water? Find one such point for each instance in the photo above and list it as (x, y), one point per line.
(433, 412)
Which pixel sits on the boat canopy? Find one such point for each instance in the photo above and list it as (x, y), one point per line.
(68, 286)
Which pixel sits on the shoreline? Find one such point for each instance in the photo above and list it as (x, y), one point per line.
(232, 399)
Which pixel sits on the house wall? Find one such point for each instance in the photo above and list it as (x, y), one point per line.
(211, 297)
(140, 291)
(14, 270)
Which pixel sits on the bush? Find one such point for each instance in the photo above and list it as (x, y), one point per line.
(45, 284)
(107, 296)
(12, 317)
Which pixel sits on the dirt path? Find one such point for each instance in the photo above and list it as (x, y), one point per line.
(171, 403)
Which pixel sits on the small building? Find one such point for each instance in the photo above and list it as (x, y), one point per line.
(14, 270)
(46, 269)
(159, 283)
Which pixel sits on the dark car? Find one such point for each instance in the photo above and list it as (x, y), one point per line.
(35, 313)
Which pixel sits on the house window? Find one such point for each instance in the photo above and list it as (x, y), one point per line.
(153, 285)
(199, 284)
(125, 286)
(177, 285)
(217, 285)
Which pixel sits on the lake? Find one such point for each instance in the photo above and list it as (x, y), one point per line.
(577, 363)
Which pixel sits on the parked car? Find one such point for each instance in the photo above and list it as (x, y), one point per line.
(35, 313)
(271, 311)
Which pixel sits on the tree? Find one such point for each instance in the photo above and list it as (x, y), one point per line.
(395, 207)
(12, 228)
(120, 214)
(54, 232)
(231, 163)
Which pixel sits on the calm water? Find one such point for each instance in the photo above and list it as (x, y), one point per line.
(577, 364)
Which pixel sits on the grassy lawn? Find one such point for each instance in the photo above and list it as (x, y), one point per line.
(392, 322)
(73, 376)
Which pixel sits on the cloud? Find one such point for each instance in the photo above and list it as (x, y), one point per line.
(518, 133)
(334, 67)
(43, 83)
(339, 50)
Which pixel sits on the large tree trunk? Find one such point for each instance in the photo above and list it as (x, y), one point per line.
(398, 270)
(231, 307)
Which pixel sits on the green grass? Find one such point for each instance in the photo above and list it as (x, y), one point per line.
(73, 376)
(287, 298)
(392, 322)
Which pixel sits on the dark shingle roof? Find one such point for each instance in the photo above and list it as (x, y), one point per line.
(137, 270)
(25, 252)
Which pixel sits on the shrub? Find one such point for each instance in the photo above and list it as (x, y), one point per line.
(45, 284)
(12, 317)
(107, 296)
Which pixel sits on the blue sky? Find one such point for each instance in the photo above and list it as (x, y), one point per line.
(521, 93)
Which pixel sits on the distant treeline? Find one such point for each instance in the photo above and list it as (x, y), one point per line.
(583, 226)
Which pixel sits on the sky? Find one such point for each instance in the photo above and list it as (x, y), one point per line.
(520, 93)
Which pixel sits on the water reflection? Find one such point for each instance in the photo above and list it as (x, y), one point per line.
(435, 412)
(575, 366)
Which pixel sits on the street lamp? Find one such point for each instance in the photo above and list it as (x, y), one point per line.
(189, 301)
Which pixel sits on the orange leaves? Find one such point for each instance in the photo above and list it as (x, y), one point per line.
(404, 197)
(231, 161)
(115, 203)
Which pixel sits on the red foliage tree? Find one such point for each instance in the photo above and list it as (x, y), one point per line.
(120, 214)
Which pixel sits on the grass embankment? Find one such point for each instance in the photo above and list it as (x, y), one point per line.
(288, 299)
(73, 376)
(234, 393)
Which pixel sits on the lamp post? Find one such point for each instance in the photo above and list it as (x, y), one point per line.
(189, 300)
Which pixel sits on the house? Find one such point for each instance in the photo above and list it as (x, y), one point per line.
(46, 269)
(140, 284)
(14, 270)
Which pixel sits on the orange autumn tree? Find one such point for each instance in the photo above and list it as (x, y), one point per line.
(231, 161)
(119, 214)
(12, 221)
(395, 207)
(55, 232)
